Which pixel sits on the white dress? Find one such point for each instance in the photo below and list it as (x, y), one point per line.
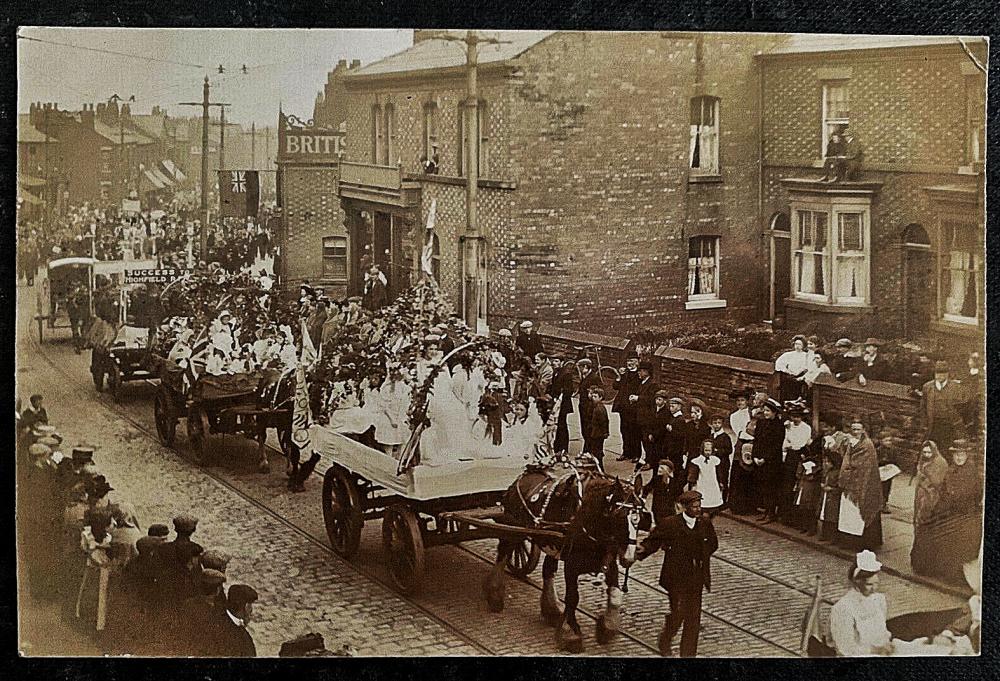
(390, 417)
(448, 438)
(350, 418)
(708, 481)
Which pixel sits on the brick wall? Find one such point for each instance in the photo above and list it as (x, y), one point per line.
(603, 209)
(711, 377)
(312, 211)
(908, 111)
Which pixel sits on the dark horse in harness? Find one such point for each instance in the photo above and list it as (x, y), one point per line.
(275, 397)
(597, 517)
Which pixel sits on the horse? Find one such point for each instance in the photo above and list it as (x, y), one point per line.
(598, 517)
(275, 397)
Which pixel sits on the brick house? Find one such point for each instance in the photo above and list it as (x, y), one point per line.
(898, 252)
(39, 167)
(618, 176)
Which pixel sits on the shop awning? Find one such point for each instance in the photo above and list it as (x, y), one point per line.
(172, 170)
(163, 178)
(29, 181)
(153, 179)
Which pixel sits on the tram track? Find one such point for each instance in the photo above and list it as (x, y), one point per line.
(645, 587)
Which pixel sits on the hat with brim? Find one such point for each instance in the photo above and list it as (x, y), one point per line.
(844, 343)
(211, 577)
(83, 455)
(677, 400)
(873, 341)
(773, 404)
(526, 324)
(185, 524)
(662, 394)
(941, 367)
(584, 362)
(505, 333)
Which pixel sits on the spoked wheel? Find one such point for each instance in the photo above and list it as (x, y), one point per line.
(342, 512)
(524, 559)
(166, 420)
(404, 548)
(115, 381)
(609, 375)
(197, 428)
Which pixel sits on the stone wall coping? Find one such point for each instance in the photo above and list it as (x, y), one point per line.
(582, 337)
(880, 388)
(751, 366)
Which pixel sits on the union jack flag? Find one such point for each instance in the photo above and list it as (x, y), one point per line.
(239, 182)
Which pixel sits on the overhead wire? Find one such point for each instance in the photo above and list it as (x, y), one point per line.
(112, 52)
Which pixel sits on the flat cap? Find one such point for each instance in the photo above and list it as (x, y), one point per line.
(844, 343)
(158, 530)
(505, 333)
(689, 496)
(662, 393)
(210, 577)
(214, 560)
(941, 366)
(185, 524)
(241, 594)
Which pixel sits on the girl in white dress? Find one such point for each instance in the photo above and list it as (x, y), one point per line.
(705, 476)
(448, 438)
(391, 429)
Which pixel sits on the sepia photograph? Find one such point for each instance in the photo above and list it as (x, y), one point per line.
(404, 343)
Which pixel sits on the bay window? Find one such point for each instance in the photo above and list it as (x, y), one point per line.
(831, 253)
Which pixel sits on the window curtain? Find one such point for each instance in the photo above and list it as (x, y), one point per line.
(695, 153)
(706, 274)
(851, 277)
(961, 298)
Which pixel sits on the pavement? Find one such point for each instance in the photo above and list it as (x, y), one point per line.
(762, 582)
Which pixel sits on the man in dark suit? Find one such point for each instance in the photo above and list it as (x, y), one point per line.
(226, 634)
(653, 422)
(626, 406)
(943, 398)
(688, 541)
(873, 366)
(675, 438)
(528, 341)
(563, 388)
(844, 365)
(588, 379)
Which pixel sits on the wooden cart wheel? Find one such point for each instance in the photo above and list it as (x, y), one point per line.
(342, 512)
(166, 421)
(524, 559)
(609, 375)
(404, 548)
(115, 381)
(197, 428)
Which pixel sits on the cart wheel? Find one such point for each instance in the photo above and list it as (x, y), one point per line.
(115, 382)
(609, 375)
(404, 548)
(166, 422)
(342, 512)
(197, 428)
(524, 559)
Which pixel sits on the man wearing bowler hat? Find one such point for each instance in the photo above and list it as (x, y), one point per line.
(941, 407)
(688, 541)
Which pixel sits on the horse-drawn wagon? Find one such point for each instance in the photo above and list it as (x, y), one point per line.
(527, 508)
(242, 403)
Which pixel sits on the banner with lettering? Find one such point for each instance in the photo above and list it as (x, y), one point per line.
(239, 193)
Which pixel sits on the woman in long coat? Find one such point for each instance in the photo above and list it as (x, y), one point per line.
(932, 471)
(860, 520)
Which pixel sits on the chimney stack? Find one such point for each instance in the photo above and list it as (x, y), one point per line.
(87, 116)
(355, 63)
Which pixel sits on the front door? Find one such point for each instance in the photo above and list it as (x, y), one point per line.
(919, 286)
(382, 247)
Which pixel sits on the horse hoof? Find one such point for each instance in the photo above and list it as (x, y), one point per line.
(568, 640)
(494, 604)
(603, 634)
(552, 619)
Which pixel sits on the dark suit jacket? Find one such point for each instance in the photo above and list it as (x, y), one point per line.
(654, 423)
(530, 345)
(626, 385)
(586, 383)
(597, 422)
(878, 371)
(844, 368)
(724, 450)
(943, 404)
(687, 552)
(225, 639)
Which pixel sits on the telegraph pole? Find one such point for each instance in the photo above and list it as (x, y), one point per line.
(204, 104)
(473, 246)
(253, 145)
(222, 134)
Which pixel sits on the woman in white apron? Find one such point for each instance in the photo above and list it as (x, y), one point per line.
(704, 476)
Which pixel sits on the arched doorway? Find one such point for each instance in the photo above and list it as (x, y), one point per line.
(918, 281)
(781, 261)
